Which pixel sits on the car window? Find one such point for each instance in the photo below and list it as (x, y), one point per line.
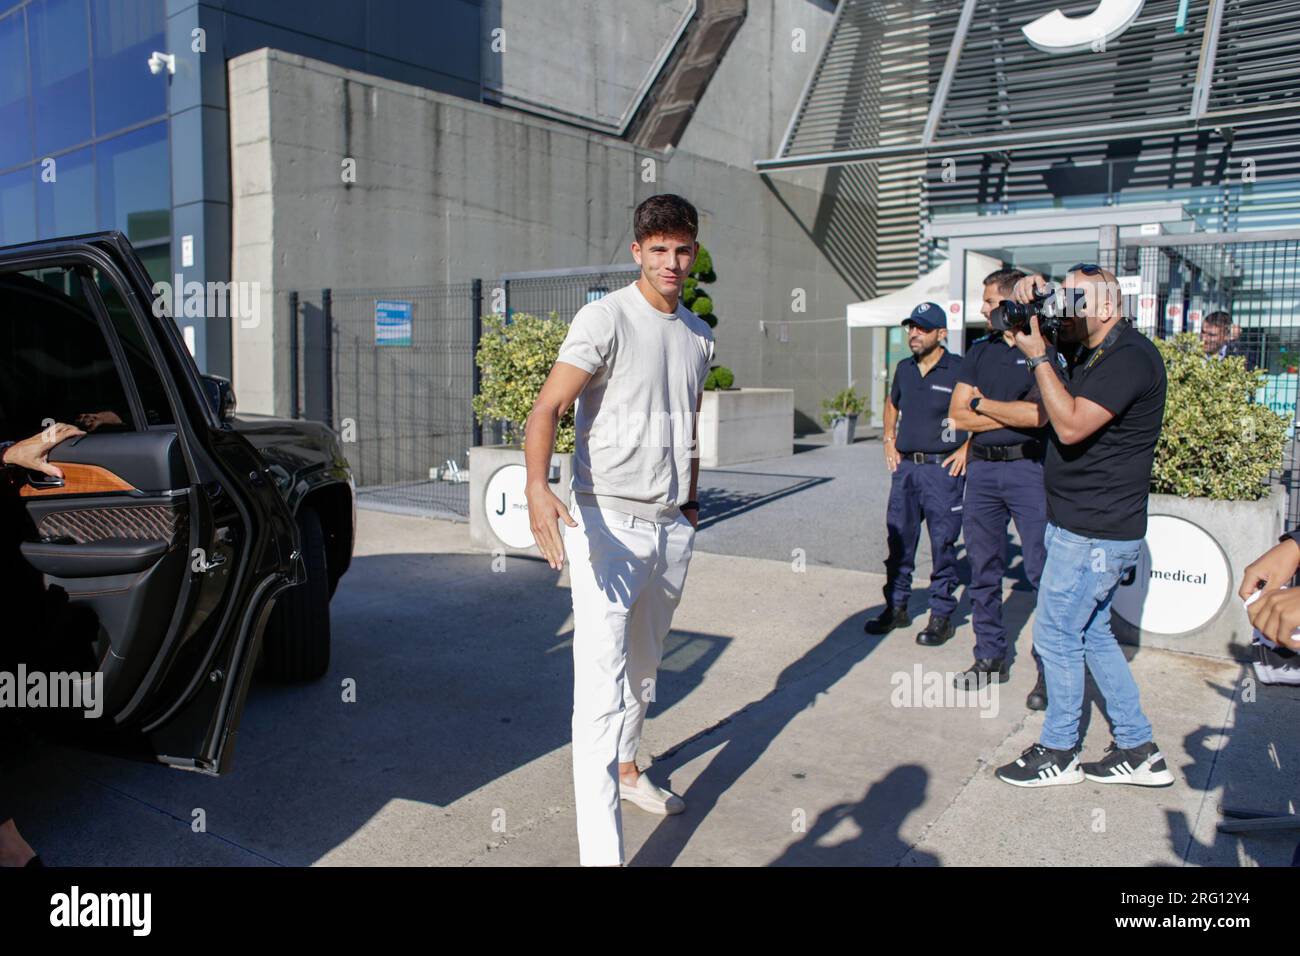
(55, 363)
(148, 383)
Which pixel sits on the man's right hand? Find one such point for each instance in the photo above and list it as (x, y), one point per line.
(545, 511)
(1026, 287)
(1270, 570)
(892, 457)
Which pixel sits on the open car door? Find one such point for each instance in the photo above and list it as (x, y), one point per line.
(145, 576)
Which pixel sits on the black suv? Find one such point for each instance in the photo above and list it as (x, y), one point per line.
(179, 533)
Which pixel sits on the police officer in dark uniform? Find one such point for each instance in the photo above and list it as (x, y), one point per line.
(927, 456)
(996, 399)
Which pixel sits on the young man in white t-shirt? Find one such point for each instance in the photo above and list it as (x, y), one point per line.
(635, 363)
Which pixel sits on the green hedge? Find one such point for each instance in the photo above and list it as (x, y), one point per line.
(514, 359)
(1216, 441)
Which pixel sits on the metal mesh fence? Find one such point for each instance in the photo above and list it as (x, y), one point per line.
(564, 292)
(403, 379)
(1257, 284)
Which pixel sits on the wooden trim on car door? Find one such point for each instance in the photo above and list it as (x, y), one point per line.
(80, 479)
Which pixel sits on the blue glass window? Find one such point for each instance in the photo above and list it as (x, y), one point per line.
(59, 41)
(17, 208)
(15, 119)
(125, 33)
(66, 206)
(134, 183)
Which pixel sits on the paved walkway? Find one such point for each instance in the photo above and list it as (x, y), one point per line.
(777, 719)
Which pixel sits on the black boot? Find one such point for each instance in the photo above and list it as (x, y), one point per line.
(982, 672)
(936, 632)
(1037, 699)
(890, 618)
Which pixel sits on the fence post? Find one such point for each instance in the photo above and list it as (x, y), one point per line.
(476, 302)
(294, 407)
(327, 341)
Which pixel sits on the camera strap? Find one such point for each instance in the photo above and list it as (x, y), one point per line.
(1106, 343)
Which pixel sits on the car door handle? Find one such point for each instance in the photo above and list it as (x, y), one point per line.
(41, 481)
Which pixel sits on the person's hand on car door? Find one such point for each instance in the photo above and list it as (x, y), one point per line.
(31, 453)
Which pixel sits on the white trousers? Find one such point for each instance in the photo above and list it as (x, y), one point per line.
(626, 576)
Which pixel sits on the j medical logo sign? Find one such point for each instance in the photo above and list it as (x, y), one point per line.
(1181, 581)
(1057, 33)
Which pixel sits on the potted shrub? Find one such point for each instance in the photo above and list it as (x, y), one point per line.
(840, 415)
(719, 377)
(1212, 508)
(514, 357)
(743, 424)
(694, 296)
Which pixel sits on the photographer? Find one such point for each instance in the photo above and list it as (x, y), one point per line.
(1105, 421)
(996, 399)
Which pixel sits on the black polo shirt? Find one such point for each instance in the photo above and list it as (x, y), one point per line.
(922, 401)
(1098, 488)
(998, 371)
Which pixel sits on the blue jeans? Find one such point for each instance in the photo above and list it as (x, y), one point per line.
(1072, 627)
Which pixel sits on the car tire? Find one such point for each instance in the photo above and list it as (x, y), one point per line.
(297, 642)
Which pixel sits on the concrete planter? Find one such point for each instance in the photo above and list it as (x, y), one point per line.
(1184, 594)
(843, 430)
(502, 523)
(745, 424)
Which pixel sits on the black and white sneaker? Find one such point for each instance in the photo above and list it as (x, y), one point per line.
(1041, 766)
(1143, 766)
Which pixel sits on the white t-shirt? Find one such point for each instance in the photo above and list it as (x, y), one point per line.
(636, 417)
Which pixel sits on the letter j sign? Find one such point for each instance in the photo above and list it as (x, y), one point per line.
(1057, 33)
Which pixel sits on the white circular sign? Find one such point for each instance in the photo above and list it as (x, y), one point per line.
(507, 508)
(1181, 580)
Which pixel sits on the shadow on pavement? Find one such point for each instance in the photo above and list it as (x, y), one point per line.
(879, 816)
(1254, 763)
(743, 738)
(718, 503)
(462, 676)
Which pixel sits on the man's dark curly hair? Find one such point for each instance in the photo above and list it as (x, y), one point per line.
(665, 215)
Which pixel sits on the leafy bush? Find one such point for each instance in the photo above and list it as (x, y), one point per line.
(694, 296)
(719, 377)
(514, 358)
(1216, 441)
(846, 403)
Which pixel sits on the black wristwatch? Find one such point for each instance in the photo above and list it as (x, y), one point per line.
(690, 506)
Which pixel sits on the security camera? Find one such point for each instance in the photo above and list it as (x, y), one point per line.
(162, 61)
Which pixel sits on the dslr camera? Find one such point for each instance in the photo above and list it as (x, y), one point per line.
(1052, 305)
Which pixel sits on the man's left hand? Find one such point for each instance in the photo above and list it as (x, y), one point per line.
(1033, 344)
(1277, 615)
(956, 462)
(30, 453)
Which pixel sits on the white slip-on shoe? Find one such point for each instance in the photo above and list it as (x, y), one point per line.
(650, 798)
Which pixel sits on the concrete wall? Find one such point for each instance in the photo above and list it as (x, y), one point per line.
(449, 190)
(586, 58)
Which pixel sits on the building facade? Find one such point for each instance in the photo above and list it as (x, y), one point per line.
(1161, 137)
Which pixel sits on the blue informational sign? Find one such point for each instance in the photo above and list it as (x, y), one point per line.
(392, 322)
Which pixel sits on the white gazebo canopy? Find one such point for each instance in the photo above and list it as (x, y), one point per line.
(891, 309)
